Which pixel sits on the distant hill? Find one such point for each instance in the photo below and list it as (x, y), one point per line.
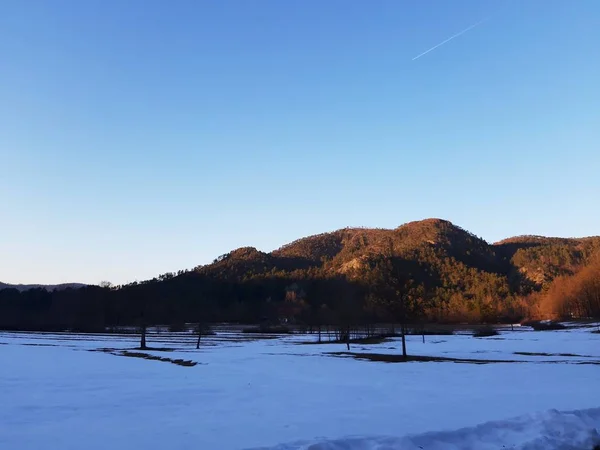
(48, 287)
(356, 274)
(465, 277)
(525, 263)
(338, 250)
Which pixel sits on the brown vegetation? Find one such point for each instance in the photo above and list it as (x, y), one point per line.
(574, 296)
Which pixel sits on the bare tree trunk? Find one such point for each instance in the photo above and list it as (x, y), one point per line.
(143, 339)
(199, 336)
(348, 337)
(319, 333)
(403, 328)
(423, 330)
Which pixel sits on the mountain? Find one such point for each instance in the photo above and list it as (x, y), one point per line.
(341, 250)
(48, 287)
(352, 275)
(525, 262)
(463, 273)
(346, 249)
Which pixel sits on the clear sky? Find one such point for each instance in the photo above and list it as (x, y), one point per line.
(144, 136)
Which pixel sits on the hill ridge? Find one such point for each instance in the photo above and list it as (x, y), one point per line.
(433, 242)
(356, 274)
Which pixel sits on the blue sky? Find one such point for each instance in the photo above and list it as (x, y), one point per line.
(148, 136)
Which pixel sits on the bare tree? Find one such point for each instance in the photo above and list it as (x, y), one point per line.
(393, 290)
(203, 313)
(143, 326)
(199, 331)
(143, 332)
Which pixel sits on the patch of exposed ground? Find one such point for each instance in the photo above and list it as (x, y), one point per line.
(572, 355)
(142, 355)
(394, 358)
(378, 357)
(364, 341)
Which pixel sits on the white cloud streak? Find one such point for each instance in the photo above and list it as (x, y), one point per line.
(449, 39)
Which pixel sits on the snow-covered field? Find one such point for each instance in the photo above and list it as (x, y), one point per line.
(58, 393)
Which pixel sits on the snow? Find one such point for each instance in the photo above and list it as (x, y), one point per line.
(56, 393)
(551, 430)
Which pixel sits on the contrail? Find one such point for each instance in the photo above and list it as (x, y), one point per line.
(449, 39)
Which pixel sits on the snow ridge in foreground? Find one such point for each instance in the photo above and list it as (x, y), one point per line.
(550, 430)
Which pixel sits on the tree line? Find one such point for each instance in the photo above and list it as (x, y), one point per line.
(388, 292)
(428, 272)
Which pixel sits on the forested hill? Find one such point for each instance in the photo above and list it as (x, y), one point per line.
(526, 263)
(351, 274)
(48, 287)
(344, 250)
